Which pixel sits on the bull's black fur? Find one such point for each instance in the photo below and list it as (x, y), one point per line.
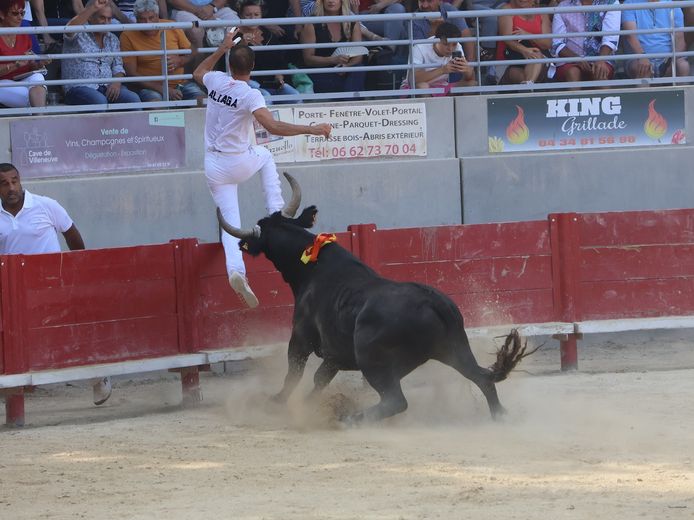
(355, 319)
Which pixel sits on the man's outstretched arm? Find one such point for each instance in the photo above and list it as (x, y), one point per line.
(264, 117)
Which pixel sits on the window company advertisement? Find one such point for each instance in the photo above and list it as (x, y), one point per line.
(566, 122)
(282, 148)
(363, 131)
(64, 146)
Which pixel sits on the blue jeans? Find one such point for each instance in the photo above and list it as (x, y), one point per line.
(284, 90)
(90, 96)
(189, 89)
(392, 30)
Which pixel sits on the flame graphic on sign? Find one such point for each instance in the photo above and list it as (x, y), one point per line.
(496, 145)
(656, 125)
(517, 131)
(679, 137)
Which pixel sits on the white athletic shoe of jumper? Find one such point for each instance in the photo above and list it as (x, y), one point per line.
(102, 391)
(239, 283)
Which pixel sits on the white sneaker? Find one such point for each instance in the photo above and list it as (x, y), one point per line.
(239, 283)
(102, 391)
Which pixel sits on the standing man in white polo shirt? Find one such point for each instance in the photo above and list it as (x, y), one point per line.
(230, 159)
(29, 225)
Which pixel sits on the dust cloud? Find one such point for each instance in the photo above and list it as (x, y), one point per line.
(610, 441)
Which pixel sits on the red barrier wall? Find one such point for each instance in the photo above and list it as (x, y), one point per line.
(91, 307)
(636, 264)
(225, 320)
(496, 273)
(109, 305)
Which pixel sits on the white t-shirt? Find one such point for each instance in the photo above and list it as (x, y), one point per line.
(35, 228)
(229, 117)
(424, 54)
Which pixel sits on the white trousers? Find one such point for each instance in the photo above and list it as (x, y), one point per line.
(224, 172)
(18, 97)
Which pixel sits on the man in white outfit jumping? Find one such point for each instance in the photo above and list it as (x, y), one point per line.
(230, 159)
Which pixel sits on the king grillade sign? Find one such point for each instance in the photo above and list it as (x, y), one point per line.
(566, 122)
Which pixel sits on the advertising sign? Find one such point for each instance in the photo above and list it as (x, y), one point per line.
(363, 131)
(566, 122)
(79, 145)
(282, 148)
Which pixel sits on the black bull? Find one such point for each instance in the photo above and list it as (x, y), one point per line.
(355, 319)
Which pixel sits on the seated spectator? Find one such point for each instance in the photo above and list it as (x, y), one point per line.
(11, 14)
(333, 32)
(523, 49)
(689, 22)
(92, 69)
(306, 8)
(276, 9)
(123, 10)
(580, 46)
(54, 13)
(35, 45)
(300, 8)
(425, 28)
(257, 36)
(653, 42)
(439, 54)
(389, 30)
(487, 25)
(147, 11)
(197, 10)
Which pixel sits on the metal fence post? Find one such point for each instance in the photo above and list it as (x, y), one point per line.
(565, 249)
(13, 327)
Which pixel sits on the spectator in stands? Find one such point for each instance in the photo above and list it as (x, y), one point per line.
(487, 25)
(257, 36)
(123, 10)
(580, 47)
(523, 49)
(425, 28)
(197, 10)
(92, 69)
(11, 14)
(390, 30)
(653, 42)
(375, 31)
(338, 57)
(147, 11)
(439, 54)
(55, 13)
(689, 22)
(29, 225)
(275, 9)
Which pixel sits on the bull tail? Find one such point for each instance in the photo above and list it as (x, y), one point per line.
(509, 355)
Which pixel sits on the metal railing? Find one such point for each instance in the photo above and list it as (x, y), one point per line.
(405, 69)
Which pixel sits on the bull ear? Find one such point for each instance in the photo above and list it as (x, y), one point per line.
(308, 217)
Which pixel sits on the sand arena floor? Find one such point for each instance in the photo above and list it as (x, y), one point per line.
(612, 441)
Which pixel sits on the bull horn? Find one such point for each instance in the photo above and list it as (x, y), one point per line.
(290, 207)
(241, 234)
